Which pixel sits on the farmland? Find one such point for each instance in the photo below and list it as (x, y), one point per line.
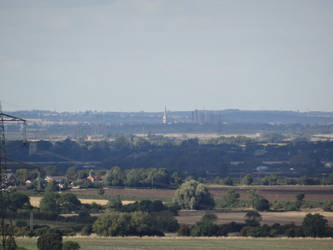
(183, 243)
(278, 193)
(193, 216)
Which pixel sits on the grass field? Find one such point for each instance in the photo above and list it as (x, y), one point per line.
(181, 243)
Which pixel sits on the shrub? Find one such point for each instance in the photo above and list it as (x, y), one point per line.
(315, 225)
(70, 245)
(86, 230)
(50, 241)
(184, 230)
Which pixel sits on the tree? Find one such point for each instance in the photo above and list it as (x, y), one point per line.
(69, 203)
(206, 226)
(51, 187)
(21, 176)
(261, 204)
(49, 203)
(70, 245)
(115, 177)
(114, 202)
(124, 224)
(50, 241)
(299, 200)
(193, 195)
(19, 200)
(230, 199)
(330, 179)
(257, 201)
(252, 218)
(247, 179)
(227, 181)
(71, 173)
(315, 225)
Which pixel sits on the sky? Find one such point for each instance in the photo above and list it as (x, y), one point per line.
(140, 55)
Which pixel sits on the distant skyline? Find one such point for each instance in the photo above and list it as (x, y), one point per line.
(140, 55)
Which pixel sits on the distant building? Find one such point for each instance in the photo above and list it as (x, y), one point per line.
(56, 179)
(262, 168)
(164, 121)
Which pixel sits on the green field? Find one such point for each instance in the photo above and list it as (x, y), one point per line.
(180, 243)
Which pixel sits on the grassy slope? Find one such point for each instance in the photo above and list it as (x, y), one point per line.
(99, 243)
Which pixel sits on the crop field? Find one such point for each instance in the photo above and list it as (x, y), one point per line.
(182, 243)
(192, 216)
(34, 201)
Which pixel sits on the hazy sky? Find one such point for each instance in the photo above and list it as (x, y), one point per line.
(76, 55)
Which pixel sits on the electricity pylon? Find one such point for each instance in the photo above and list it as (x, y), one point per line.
(6, 229)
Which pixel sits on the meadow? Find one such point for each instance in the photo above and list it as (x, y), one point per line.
(182, 243)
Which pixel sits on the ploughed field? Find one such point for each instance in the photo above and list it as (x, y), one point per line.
(182, 243)
(278, 193)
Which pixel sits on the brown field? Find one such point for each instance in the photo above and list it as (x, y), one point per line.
(149, 193)
(192, 216)
(279, 193)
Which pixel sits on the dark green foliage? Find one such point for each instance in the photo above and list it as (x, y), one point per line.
(230, 199)
(206, 226)
(227, 181)
(252, 218)
(101, 191)
(115, 177)
(261, 204)
(69, 203)
(86, 230)
(10, 244)
(300, 197)
(258, 231)
(124, 224)
(166, 221)
(50, 240)
(330, 179)
(328, 206)
(18, 200)
(51, 187)
(247, 179)
(184, 230)
(315, 225)
(193, 195)
(257, 202)
(114, 202)
(49, 203)
(70, 245)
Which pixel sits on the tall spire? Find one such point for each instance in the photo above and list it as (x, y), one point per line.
(164, 121)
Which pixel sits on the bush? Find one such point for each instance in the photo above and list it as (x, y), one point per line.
(124, 224)
(70, 245)
(50, 241)
(315, 225)
(86, 230)
(261, 204)
(184, 230)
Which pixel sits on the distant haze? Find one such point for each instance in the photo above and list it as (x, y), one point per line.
(133, 55)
